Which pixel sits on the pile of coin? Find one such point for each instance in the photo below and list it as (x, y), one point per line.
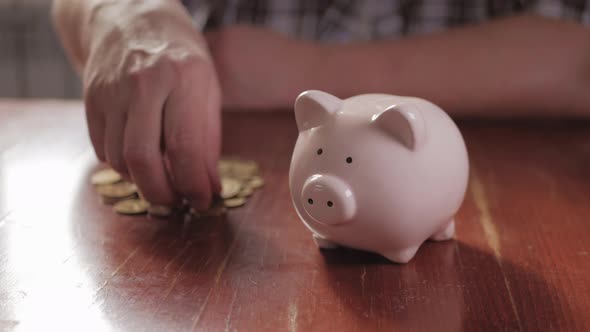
(239, 180)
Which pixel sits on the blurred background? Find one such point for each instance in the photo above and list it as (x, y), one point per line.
(32, 63)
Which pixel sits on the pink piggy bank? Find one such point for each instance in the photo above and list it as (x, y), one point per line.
(377, 172)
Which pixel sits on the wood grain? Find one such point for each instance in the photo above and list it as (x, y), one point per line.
(520, 260)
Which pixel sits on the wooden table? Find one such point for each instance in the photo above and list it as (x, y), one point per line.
(520, 261)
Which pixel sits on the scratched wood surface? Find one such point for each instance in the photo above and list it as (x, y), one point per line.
(520, 261)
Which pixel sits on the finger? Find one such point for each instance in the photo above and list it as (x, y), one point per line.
(96, 123)
(113, 141)
(214, 133)
(185, 135)
(142, 152)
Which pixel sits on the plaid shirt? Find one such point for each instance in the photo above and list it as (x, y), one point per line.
(347, 20)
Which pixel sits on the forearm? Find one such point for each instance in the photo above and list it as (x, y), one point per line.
(516, 66)
(70, 18)
(79, 21)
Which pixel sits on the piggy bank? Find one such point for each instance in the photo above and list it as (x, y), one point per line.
(377, 172)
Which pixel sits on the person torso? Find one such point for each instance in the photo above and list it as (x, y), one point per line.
(353, 20)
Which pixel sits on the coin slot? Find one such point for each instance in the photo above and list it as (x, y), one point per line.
(310, 201)
(330, 204)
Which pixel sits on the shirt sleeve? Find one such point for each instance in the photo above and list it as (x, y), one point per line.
(200, 11)
(572, 10)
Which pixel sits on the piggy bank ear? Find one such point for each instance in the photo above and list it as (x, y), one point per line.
(405, 123)
(313, 108)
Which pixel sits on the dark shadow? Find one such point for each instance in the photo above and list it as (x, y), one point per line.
(448, 286)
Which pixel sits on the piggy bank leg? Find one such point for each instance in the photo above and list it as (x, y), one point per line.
(446, 233)
(324, 243)
(402, 256)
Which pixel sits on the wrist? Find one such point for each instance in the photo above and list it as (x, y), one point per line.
(153, 21)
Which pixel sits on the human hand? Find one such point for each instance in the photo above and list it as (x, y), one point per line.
(153, 101)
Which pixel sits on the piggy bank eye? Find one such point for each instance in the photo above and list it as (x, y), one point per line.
(320, 151)
(349, 160)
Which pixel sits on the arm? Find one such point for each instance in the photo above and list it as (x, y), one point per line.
(70, 18)
(517, 66)
(150, 91)
(79, 21)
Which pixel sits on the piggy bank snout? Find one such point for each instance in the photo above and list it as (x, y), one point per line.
(328, 199)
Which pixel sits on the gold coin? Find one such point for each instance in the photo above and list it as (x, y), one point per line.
(224, 166)
(245, 169)
(111, 201)
(237, 168)
(161, 211)
(234, 202)
(117, 190)
(230, 187)
(131, 206)
(246, 191)
(104, 177)
(256, 182)
(214, 211)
